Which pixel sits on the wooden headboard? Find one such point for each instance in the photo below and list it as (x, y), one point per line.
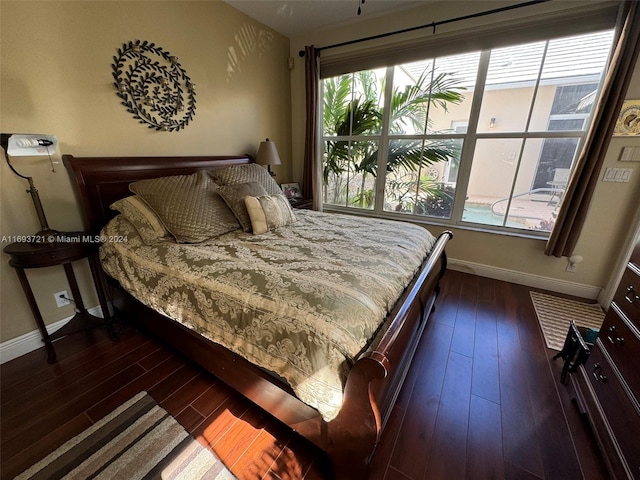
(100, 181)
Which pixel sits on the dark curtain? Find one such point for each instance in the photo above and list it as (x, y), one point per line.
(577, 198)
(310, 171)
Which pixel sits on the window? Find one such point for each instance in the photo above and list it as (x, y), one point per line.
(484, 139)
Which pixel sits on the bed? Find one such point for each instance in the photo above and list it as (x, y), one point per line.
(371, 378)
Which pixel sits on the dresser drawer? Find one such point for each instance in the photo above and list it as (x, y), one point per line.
(588, 403)
(620, 412)
(623, 345)
(627, 296)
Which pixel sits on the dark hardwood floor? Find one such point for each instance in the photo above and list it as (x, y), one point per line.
(482, 401)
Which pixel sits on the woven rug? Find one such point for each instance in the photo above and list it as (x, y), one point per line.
(137, 440)
(555, 314)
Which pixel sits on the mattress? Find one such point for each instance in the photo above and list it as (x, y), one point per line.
(303, 301)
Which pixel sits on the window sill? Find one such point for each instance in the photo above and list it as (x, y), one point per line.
(473, 227)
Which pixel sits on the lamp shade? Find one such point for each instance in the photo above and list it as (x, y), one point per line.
(268, 154)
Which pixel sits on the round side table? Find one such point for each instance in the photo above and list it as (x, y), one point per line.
(65, 249)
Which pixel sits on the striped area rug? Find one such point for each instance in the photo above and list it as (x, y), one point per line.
(555, 315)
(138, 440)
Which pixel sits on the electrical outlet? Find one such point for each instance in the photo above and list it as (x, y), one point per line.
(62, 298)
(571, 267)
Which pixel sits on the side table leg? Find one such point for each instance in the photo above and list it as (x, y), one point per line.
(99, 282)
(73, 284)
(51, 353)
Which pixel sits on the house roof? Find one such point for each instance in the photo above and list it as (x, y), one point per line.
(574, 59)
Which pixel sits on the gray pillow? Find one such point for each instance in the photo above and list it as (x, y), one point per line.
(234, 196)
(251, 172)
(188, 206)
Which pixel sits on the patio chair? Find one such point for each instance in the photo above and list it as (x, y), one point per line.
(558, 185)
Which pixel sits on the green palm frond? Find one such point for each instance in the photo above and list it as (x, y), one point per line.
(352, 109)
(359, 117)
(411, 104)
(337, 93)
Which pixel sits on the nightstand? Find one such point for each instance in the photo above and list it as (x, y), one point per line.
(65, 249)
(301, 203)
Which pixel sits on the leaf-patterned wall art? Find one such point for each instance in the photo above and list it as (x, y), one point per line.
(153, 86)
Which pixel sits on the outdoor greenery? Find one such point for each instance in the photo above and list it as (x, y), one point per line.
(353, 107)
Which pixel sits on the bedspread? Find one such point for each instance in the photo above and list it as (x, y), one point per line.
(302, 301)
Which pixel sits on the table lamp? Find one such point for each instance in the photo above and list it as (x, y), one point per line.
(29, 145)
(268, 155)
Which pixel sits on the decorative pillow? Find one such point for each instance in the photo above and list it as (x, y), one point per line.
(269, 212)
(142, 217)
(188, 206)
(234, 196)
(251, 172)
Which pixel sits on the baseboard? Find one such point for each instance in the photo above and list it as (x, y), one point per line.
(560, 286)
(31, 341)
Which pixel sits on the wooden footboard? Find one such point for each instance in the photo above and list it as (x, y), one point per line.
(373, 383)
(375, 380)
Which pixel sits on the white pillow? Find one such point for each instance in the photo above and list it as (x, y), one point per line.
(269, 212)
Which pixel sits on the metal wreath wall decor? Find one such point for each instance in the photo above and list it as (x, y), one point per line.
(153, 86)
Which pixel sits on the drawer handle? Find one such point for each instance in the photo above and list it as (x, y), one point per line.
(616, 340)
(613, 339)
(600, 377)
(631, 295)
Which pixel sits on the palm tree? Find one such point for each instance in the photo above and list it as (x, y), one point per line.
(362, 115)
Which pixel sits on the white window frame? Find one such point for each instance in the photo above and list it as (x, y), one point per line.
(469, 142)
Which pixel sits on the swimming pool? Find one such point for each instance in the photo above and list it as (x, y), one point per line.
(482, 214)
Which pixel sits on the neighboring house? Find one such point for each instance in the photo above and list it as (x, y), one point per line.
(56, 78)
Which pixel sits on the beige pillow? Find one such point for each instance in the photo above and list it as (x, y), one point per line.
(188, 206)
(251, 172)
(234, 196)
(143, 219)
(269, 212)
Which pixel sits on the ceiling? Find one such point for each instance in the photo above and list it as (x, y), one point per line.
(295, 17)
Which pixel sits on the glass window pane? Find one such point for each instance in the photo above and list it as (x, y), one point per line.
(421, 176)
(335, 172)
(538, 187)
(452, 92)
(569, 80)
(536, 206)
(509, 88)
(353, 103)
(336, 96)
(492, 175)
(364, 165)
(349, 173)
(439, 90)
(556, 155)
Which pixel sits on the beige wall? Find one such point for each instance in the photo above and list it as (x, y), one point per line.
(614, 206)
(56, 79)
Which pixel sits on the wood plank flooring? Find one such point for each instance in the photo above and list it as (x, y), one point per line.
(482, 400)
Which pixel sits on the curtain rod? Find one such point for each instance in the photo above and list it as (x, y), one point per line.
(429, 25)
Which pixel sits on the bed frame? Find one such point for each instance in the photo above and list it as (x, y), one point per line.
(373, 383)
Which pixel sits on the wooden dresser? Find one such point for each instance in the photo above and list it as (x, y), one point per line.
(607, 386)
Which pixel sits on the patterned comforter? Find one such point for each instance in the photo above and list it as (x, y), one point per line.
(302, 301)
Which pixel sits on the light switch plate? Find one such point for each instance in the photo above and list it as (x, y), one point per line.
(618, 175)
(630, 154)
